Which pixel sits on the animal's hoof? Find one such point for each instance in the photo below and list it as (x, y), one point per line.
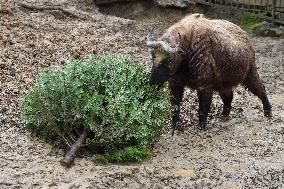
(268, 113)
(225, 113)
(177, 127)
(225, 118)
(202, 126)
(180, 128)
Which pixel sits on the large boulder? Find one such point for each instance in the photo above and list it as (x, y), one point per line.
(266, 29)
(163, 3)
(173, 3)
(101, 2)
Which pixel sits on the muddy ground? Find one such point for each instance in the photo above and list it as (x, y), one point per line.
(245, 152)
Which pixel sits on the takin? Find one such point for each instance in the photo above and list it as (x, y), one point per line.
(205, 55)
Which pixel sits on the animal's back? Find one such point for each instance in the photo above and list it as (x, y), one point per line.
(228, 31)
(231, 50)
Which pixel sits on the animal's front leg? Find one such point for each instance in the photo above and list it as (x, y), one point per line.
(205, 100)
(177, 94)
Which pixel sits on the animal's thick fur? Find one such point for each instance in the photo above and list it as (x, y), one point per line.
(216, 55)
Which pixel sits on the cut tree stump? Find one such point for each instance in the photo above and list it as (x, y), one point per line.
(69, 158)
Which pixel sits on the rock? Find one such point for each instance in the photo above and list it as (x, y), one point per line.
(174, 3)
(102, 2)
(266, 29)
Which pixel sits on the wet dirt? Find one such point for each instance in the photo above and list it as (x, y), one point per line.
(245, 152)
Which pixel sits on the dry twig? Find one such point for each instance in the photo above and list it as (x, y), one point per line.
(72, 11)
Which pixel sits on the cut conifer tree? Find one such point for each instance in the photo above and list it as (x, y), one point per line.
(102, 103)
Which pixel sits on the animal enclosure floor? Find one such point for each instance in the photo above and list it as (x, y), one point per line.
(245, 152)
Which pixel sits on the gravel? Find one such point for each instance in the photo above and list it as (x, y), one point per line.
(245, 152)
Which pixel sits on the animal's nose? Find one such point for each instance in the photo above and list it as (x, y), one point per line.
(156, 78)
(151, 81)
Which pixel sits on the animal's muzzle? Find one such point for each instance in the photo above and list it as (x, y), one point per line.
(159, 75)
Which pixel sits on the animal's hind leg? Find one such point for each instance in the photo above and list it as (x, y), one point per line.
(255, 85)
(227, 97)
(205, 100)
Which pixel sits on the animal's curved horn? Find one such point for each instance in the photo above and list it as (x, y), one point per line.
(154, 44)
(150, 43)
(167, 48)
(151, 33)
(164, 46)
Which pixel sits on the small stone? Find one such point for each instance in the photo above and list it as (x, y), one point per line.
(185, 172)
(173, 3)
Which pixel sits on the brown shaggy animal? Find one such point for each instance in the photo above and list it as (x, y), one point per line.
(205, 55)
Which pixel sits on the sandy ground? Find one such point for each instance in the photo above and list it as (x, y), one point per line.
(245, 152)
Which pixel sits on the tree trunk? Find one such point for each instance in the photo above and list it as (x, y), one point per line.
(68, 160)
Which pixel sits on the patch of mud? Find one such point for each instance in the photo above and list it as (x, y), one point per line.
(245, 152)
